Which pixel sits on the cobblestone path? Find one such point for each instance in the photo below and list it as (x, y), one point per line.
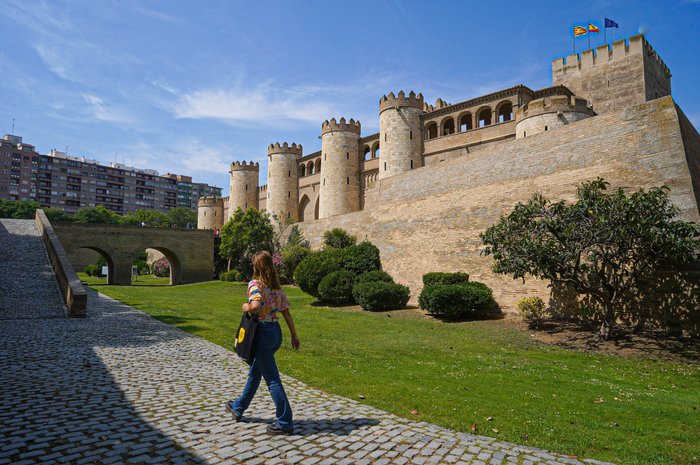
(28, 287)
(122, 387)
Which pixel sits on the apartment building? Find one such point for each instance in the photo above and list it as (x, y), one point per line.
(68, 182)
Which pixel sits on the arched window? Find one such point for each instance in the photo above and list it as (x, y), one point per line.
(302, 170)
(310, 168)
(505, 112)
(431, 130)
(368, 153)
(318, 165)
(375, 150)
(448, 126)
(483, 118)
(465, 122)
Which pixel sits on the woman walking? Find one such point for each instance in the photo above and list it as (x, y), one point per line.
(267, 300)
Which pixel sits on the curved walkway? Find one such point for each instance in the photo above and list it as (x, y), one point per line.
(122, 387)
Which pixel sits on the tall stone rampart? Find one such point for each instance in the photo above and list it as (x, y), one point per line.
(421, 225)
(244, 181)
(283, 180)
(339, 191)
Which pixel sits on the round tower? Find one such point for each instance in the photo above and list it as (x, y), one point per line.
(283, 181)
(340, 166)
(400, 134)
(547, 113)
(244, 186)
(210, 213)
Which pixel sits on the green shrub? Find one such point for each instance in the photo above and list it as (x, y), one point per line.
(532, 310)
(456, 301)
(381, 295)
(142, 266)
(336, 287)
(314, 267)
(436, 278)
(338, 238)
(231, 276)
(291, 257)
(361, 258)
(91, 270)
(374, 276)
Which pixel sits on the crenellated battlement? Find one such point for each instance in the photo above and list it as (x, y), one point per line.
(284, 148)
(553, 104)
(262, 188)
(401, 100)
(588, 59)
(243, 166)
(342, 125)
(210, 201)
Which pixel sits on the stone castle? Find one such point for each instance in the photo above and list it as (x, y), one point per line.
(435, 176)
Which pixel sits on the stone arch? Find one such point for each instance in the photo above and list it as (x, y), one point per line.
(318, 166)
(305, 213)
(484, 117)
(376, 150)
(302, 170)
(111, 275)
(175, 263)
(465, 122)
(504, 112)
(431, 130)
(310, 168)
(316, 207)
(447, 126)
(367, 153)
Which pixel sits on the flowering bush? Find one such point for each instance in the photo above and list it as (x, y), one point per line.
(161, 268)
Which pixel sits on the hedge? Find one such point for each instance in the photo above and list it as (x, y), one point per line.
(380, 295)
(452, 302)
(372, 276)
(336, 287)
(315, 266)
(361, 258)
(436, 278)
(231, 276)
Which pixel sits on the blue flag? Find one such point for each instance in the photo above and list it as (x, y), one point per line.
(610, 23)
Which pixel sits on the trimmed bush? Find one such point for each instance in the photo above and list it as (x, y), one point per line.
(380, 295)
(142, 266)
(338, 238)
(315, 267)
(231, 276)
(436, 278)
(161, 268)
(291, 257)
(452, 302)
(361, 258)
(91, 270)
(374, 276)
(532, 309)
(336, 287)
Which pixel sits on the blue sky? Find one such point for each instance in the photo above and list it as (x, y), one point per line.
(188, 87)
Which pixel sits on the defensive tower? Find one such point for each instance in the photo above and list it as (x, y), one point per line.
(547, 113)
(283, 180)
(210, 213)
(244, 186)
(614, 78)
(339, 191)
(400, 135)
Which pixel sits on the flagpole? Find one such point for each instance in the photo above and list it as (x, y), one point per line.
(588, 26)
(605, 33)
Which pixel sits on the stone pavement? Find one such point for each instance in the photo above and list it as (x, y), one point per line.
(122, 387)
(26, 273)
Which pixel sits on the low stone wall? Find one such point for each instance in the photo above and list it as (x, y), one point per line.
(72, 291)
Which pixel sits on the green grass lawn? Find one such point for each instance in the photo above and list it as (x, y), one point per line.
(625, 410)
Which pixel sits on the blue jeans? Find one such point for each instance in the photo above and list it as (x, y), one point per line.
(268, 338)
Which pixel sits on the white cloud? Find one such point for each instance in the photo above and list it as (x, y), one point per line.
(102, 111)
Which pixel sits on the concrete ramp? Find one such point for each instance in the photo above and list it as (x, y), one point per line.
(28, 287)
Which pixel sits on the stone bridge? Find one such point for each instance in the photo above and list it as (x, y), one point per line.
(190, 252)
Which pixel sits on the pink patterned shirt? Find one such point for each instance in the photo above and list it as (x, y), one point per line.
(272, 301)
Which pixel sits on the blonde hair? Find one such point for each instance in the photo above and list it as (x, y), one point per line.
(264, 270)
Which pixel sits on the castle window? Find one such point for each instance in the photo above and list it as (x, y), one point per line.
(368, 153)
(448, 127)
(289, 194)
(205, 213)
(385, 137)
(289, 214)
(524, 133)
(465, 122)
(384, 166)
(302, 170)
(375, 150)
(505, 112)
(214, 212)
(347, 181)
(484, 118)
(246, 187)
(289, 173)
(546, 127)
(324, 181)
(431, 130)
(411, 164)
(318, 166)
(410, 135)
(246, 205)
(347, 155)
(324, 157)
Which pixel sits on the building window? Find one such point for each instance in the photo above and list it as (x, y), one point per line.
(347, 181)
(384, 166)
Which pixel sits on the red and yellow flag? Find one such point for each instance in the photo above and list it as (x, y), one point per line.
(593, 28)
(579, 31)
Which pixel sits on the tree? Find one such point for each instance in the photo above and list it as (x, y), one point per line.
(182, 217)
(98, 214)
(296, 238)
(246, 233)
(603, 245)
(146, 217)
(18, 209)
(338, 238)
(56, 214)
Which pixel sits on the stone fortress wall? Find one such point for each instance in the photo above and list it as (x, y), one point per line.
(434, 177)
